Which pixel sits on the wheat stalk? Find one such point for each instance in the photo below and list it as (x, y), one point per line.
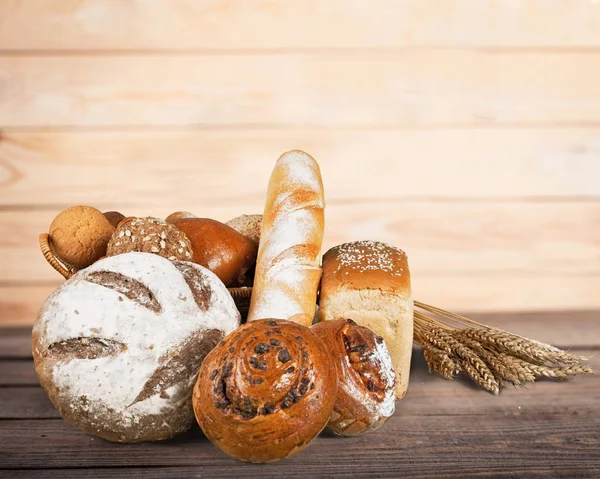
(489, 356)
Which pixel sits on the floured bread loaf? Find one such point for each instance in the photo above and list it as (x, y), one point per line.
(118, 346)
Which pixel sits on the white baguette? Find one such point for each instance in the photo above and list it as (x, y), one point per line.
(287, 269)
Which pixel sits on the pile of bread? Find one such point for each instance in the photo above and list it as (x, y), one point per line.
(145, 337)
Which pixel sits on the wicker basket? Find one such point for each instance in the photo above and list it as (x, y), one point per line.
(241, 296)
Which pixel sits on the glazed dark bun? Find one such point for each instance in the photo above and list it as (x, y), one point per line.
(266, 391)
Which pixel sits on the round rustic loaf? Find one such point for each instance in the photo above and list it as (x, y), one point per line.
(118, 346)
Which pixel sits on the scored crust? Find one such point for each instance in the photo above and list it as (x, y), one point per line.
(118, 346)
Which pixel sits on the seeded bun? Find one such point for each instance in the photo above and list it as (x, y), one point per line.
(150, 235)
(248, 225)
(369, 282)
(79, 235)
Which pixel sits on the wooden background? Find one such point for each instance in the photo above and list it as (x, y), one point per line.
(466, 132)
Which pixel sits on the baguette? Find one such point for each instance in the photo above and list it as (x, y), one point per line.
(287, 269)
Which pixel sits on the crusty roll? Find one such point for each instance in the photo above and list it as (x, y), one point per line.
(287, 270)
(265, 391)
(366, 382)
(220, 248)
(369, 282)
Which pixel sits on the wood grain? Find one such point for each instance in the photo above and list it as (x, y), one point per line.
(440, 238)
(441, 429)
(20, 304)
(244, 24)
(412, 89)
(536, 441)
(22, 398)
(562, 328)
(189, 168)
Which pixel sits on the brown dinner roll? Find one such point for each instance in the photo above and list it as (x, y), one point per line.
(79, 235)
(265, 391)
(248, 225)
(150, 235)
(118, 346)
(219, 248)
(369, 282)
(114, 217)
(366, 382)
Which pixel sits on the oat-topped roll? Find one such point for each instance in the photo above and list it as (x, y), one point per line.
(369, 282)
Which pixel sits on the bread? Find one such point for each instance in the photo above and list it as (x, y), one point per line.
(150, 235)
(248, 225)
(179, 215)
(118, 346)
(114, 217)
(366, 381)
(227, 253)
(287, 269)
(79, 235)
(369, 282)
(266, 391)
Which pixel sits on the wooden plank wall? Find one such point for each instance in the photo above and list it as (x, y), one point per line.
(465, 131)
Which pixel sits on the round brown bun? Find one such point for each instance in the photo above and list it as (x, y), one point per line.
(178, 215)
(266, 391)
(118, 346)
(79, 235)
(114, 217)
(369, 282)
(216, 246)
(365, 398)
(248, 225)
(150, 235)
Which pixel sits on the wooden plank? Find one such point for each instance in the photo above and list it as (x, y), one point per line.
(15, 343)
(473, 293)
(458, 397)
(419, 445)
(565, 329)
(243, 24)
(453, 292)
(454, 238)
(406, 88)
(17, 372)
(190, 168)
(433, 470)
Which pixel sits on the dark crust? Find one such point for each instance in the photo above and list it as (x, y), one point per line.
(358, 363)
(85, 348)
(185, 362)
(198, 283)
(128, 287)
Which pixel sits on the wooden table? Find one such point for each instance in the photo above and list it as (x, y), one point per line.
(441, 428)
